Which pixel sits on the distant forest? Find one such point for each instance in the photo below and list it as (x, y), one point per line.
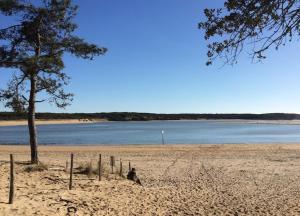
(131, 116)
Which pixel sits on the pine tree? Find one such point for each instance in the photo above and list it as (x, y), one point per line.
(35, 47)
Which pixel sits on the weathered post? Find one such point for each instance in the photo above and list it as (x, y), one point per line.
(11, 180)
(112, 163)
(99, 167)
(71, 173)
(121, 168)
(129, 166)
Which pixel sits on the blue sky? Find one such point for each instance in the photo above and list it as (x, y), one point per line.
(156, 63)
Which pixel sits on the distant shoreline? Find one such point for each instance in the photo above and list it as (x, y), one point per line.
(135, 116)
(246, 121)
(50, 122)
(89, 121)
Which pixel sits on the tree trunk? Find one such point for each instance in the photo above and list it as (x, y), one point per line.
(31, 121)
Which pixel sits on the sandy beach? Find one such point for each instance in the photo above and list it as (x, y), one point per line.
(49, 122)
(177, 180)
(86, 121)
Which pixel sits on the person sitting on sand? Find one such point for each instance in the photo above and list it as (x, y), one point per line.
(133, 177)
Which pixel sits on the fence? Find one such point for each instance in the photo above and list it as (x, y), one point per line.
(112, 163)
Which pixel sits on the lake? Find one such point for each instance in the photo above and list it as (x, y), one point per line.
(175, 132)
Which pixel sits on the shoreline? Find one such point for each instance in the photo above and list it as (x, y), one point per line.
(89, 121)
(172, 145)
(246, 121)
(140, 147)
(50, 122)
(144, 145)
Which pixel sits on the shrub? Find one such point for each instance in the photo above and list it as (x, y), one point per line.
(36, 167)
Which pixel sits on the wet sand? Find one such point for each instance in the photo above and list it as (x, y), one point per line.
(260, 179)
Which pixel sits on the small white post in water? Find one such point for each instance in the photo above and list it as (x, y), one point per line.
(162, 137)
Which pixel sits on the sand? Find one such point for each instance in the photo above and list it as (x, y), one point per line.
(177, 180)
(85, 121)
(49, 122)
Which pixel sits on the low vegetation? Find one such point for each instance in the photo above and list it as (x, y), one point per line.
(87, 169)
(36, 167)
(130, 116)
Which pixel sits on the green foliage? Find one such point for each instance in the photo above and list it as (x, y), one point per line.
(259, 24)
(36, 46)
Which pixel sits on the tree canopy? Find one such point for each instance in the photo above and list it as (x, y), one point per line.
(254, 25)
(36, 46)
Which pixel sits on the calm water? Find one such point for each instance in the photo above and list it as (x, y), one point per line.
(189, 132)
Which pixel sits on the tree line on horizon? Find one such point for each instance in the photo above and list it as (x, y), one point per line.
(133, 116)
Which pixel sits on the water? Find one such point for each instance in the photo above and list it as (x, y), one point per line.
(175, 132)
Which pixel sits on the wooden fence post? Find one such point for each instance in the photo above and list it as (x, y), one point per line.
(129, 166)
(99, 167)
(112, 163)
(121, 168)
(71, 172)
(11, 180)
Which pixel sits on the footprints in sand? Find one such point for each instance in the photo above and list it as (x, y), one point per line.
(186, 181)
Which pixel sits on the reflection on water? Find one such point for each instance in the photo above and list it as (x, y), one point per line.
(187, 132)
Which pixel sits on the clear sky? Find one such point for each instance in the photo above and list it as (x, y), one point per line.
(156, 63)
